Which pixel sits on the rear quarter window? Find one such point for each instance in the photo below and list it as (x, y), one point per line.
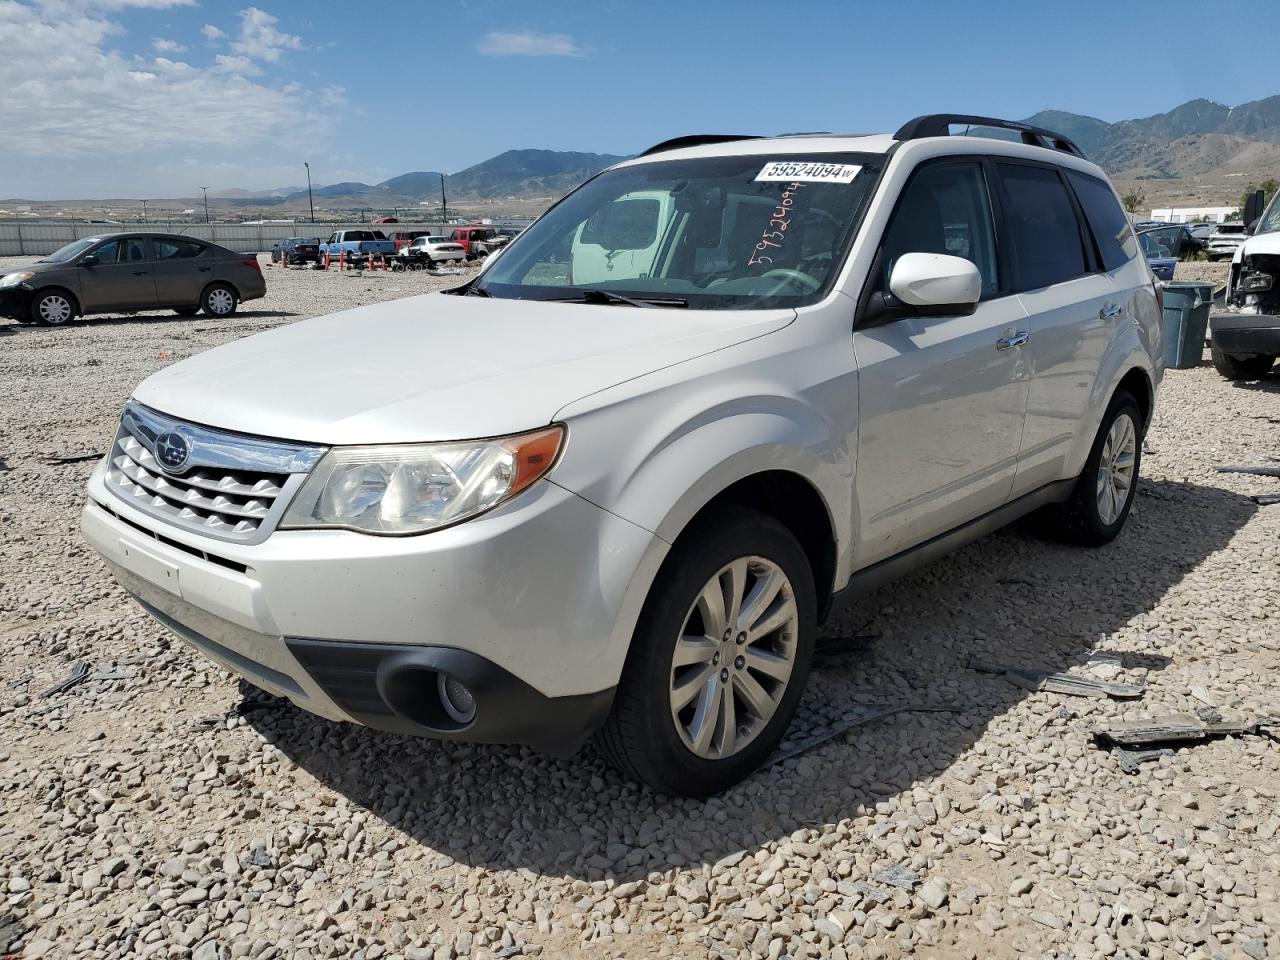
(1107, 222)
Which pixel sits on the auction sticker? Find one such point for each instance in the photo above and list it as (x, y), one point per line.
(808, 171)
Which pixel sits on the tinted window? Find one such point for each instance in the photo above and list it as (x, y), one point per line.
(124, 250)
(1042, 225)
(1110, 226)
(944, 209)
(176, 249)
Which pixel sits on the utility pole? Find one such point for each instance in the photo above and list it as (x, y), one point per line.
(206, 203)
(310, 201)
(444, 202)
(144, 212)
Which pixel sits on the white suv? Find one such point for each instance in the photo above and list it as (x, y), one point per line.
(614, 484)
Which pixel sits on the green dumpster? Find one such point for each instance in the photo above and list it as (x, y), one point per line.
(1186, 318)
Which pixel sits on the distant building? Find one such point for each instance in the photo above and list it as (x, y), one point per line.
(1192, 214)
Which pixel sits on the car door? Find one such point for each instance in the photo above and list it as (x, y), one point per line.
(941, 399)
(1073, 309)
(182, 269)
(121, 278)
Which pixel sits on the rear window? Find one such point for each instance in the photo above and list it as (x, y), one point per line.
(1109, 225)
(167, 249)
(355, 235)
(1042, 225)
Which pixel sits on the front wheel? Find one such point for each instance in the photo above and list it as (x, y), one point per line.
(219, 300)
(1103, 495)
(719, 658)
(53, 308)
(1241, 368)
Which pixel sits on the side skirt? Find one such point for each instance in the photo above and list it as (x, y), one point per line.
(878, 574)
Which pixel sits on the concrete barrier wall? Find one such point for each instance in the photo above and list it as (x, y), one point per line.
(18, 239)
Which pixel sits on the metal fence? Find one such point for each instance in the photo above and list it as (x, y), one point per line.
(18, 239)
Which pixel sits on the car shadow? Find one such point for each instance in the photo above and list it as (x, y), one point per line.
(1268, 384)
(906, 645)
(151, 319)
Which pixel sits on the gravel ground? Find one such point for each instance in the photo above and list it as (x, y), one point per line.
(163, 809)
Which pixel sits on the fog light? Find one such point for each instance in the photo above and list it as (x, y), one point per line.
(456, 699)
(1256, 282)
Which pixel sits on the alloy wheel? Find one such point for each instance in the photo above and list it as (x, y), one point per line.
(1116, 468)
(734, 657)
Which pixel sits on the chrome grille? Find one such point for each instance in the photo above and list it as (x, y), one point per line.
(231, 486)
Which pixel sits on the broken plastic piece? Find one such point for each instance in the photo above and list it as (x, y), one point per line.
(79, 673)
(898, 876)
(1256, 471)
(1131, 759)
(1177, 728)
(1266, 499)
(868, 892)
(1061, 682)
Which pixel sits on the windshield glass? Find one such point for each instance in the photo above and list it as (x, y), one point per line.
(71, 250)
(718, 233)
(1271, 219)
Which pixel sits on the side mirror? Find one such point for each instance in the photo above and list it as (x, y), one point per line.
(90, 261)
(936, 284)
(1252, 228)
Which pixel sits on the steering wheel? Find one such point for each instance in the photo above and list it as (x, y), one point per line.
(806, 283)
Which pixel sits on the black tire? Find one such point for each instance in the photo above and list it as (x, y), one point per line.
(639, 737)
(52, 308)
(1079, 520)
(1235, 367)
(213, 302)
(186, 311)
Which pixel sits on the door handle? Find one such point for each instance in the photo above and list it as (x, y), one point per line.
(1017, 340)
(1106, 313)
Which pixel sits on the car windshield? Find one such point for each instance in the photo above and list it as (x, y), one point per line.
(1270, 221)
(71, 250)
(712, 233)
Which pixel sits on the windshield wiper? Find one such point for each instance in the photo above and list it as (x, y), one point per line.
(596, 295)
(474, 291)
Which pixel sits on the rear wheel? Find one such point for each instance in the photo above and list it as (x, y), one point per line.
(1235, 367)
(53, 308)
(219, 300)
(1103, 495)
(719, 658)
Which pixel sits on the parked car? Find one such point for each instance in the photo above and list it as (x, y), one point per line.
(479, 241)
(1244, 337)
(296, 250)
(357, 244)
(403, 238)
(1225, 240)
(543, 506)
(1160, 246)
(128, 272)
(1202, 231)
(433, 250)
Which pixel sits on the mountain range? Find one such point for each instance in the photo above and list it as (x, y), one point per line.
(1197, 138)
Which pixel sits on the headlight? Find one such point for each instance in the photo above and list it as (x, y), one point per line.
(1255, 282)
(13, 279)
(413, 488)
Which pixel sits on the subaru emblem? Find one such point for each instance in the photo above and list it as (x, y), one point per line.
(172, 450)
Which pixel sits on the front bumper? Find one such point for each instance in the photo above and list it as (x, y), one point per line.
(14, 301)
(1242, 331)
(531, 606)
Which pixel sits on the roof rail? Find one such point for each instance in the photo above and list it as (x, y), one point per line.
(939, 124)
(696, 140)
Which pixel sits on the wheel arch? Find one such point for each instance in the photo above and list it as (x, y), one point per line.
(1138, 384)
(76, 306)
(220, 283)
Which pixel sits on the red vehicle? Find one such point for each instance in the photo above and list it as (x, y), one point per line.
(479, 241)
(405, 237)
(386, 220)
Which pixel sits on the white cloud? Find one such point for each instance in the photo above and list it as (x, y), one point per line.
(259, 38)
(526, 43)
(142, 4)
(164, 45)
(131, 116)
(211, 32)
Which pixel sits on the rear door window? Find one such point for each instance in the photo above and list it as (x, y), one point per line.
(167, 249)
(1042, 224)
(1107, 222)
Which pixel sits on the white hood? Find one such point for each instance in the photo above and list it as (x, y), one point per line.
(1264, 243)
(436, 367)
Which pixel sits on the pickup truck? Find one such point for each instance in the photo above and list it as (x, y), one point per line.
(357, 244)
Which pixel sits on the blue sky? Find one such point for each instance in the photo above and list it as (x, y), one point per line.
(156, 97)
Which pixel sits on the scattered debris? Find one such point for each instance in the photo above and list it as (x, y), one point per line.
(75, 458)
(874, 894)
(4, 467)
(1255, 471)
(898, 876)
(1105, 665)
(79, 674)
(1203, 695)
(1266, 499)
(1206, 724)
(1037, 680)
(1131, 759)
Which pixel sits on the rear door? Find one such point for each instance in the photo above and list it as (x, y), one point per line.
(183, 267)
(123, 277)
(1073, 305)
(941, 399)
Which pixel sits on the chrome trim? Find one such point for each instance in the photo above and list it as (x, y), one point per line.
(243, 505)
